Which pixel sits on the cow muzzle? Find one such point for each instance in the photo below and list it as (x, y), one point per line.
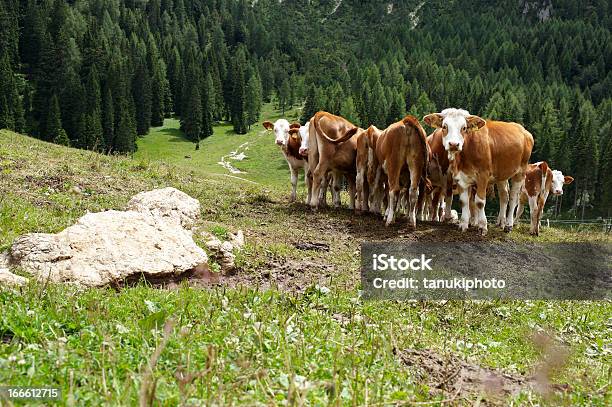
(279, 142)
(557, 193)
(454, 147)
(303, 152)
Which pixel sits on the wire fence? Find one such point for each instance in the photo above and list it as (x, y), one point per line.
(577, 225)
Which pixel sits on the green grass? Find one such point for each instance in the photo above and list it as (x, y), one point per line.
(264, 163)
(266, 336)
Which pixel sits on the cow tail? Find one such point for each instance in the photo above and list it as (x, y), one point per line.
(342, 139)
(414, 122)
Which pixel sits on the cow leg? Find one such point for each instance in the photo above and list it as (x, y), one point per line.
(533, 212)
(294, 180)
(413, 196)
(473, 208)
(318, 178)
(517, 184)
(393, 182)
(365, 195)
(435, 202)
(308, 181)
(464, 197)
(480, 200)
(502, 188)
(360, 186)
(378, 193)
(519, 211)
(448, 200)
(336, 189)
(350, 179)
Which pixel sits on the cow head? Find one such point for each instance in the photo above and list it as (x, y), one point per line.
(281, 130)
(305, 134)
(456, 124)
(558, 180)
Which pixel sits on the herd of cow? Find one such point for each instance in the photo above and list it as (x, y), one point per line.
(402, 169)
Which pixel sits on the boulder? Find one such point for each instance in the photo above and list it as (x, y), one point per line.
(6, 277)
(169, 204)
(108, 247)
(223, 252)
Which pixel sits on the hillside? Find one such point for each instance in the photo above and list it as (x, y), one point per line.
(135, 63)
(266, 334)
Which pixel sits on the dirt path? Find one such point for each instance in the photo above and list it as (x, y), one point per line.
(236, 155)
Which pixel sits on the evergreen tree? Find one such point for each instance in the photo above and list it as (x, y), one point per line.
(142, 98)
(547, 135)
(284, 96)
(254, 99)
(311, 105)
(11, 110)
(238, 112)
(208, 93)
(53, 130)
(397, 108)
(159, 93)
(191, 120)
(348, 111)
(108, 119)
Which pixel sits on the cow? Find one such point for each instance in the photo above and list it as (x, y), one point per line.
(326, 156)
(440, 178)
(366, 165)
(334, 179)
(400, 148)
(480, 152)
(290, 146)
(540, 181)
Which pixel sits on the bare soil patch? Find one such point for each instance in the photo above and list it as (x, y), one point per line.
(459, 380)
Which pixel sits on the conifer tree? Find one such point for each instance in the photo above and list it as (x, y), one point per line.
(348, 111)
(253, 99)
(284, 94)
(142, 98)
(311, 105)
(191, 120)
(53, 129)
(208, 93)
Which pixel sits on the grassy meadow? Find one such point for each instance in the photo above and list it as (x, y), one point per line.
(290, 327)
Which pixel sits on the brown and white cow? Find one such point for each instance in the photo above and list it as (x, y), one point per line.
(326, 156)
(440, 177)
(401, 147)
(290, 146)
(540, 181)
(480, 152)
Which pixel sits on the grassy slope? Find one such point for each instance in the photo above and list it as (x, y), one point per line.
(250, 345)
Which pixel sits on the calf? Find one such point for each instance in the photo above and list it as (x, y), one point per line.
(540, 181)
(440, 178)
(326, 156)
(290, 148)
(480, 152)
(400, 147)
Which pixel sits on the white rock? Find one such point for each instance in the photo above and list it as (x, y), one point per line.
(10, 279)
(108, 247)
(237, 239)
(168, 203)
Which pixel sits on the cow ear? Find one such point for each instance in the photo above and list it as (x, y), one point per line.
(568, 180)
(295, 126)
(268, 125)
(475, 122)
(433, 120)
(543, 166)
